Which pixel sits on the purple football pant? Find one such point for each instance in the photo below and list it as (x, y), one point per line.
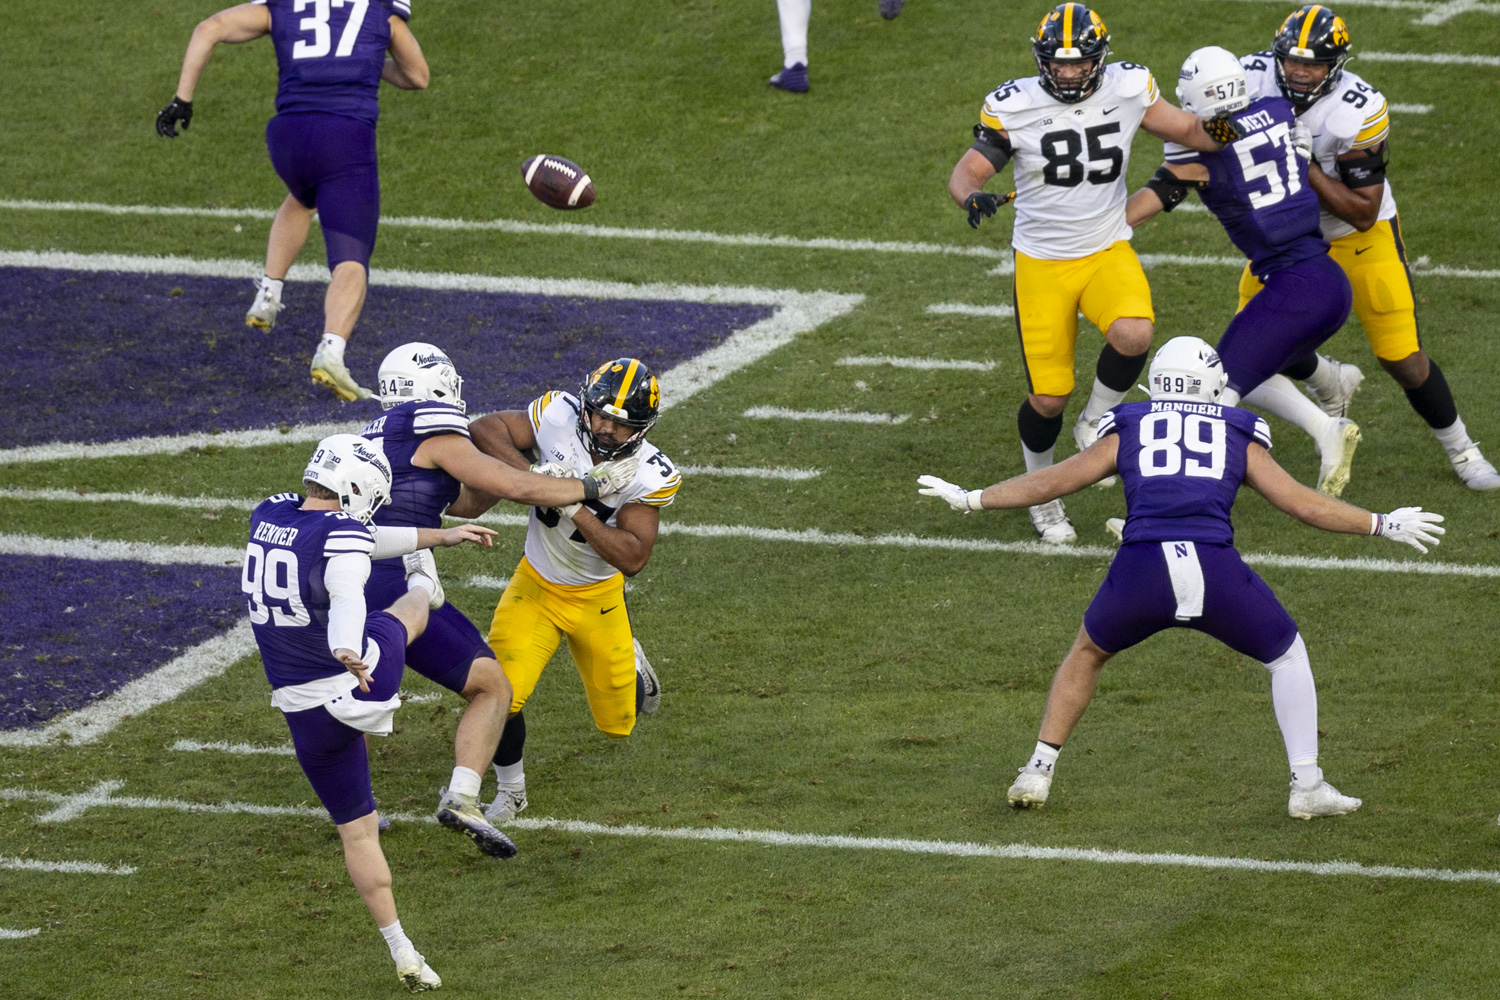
(1298, 308)
(445, 650)
(1137, 600)
(331, 753)
(328, 163)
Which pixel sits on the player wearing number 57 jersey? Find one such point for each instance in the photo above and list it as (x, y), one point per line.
(1069, 131)
(571, 582)
(1183, 456)
(1350, 124)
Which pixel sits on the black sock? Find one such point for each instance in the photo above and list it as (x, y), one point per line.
(1433, 400)
(1055, 746)
(1038, 433)
(640, 692)
(512, 742)
(1302, 370)
(1118, 371)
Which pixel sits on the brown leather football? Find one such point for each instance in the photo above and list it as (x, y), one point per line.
(558, 182)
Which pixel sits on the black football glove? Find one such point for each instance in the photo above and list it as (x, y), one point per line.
(1222, 129)
(178, 111)
(981, 205)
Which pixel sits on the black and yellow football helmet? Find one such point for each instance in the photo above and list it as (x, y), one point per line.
(625, 391)
(1071, 33)
(1315, 34)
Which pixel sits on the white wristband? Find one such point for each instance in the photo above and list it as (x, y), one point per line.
(973, 499)
(1374, 524)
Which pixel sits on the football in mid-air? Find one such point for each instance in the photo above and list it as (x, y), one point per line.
(558, 182)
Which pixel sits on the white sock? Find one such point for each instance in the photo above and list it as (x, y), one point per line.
(1102, 399)
(1455, 440)
(396, 939)
(1043, 758)
(1037, 459)
(332, 346)
(1280, 397)
(421, 581)
(512, 777)
(1306, 773)
(1295, 699)
(464, 782)
(272, 284)
(794, 16)
(1325, 379)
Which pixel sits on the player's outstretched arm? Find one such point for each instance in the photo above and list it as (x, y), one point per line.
(627, 544)
(233, 25)
(405, 66)
(1358, 205)
(504, 435)
(1164, 191)
(1410, 525)
(1170, 123)
(457, 456)
(1084, 469)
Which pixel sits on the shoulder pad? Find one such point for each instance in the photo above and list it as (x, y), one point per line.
(1008, 98)
(658, 479)
(1129, 79)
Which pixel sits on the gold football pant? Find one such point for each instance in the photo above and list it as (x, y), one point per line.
(533, 616)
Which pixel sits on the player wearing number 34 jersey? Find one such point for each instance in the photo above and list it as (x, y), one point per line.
(1183, 456)
(1069, 130)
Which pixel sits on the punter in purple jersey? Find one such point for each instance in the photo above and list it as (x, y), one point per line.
(333, 55)
(425, 435)
(1258, 188)
(1183, 456)
(334, 666)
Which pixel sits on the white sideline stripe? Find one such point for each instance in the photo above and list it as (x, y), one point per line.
(64, 868)
(921, 364)
(6, 934)
(542, 229)
(964, 309)
(482, 582)
(745, 472)
(1411, 109)
(795, 313)
(421, 699)
(1436, 13)
(1442, 13)
(1439, 58)
(199, 663)
(102, 796)
(193, 746)
(71, 807)
(204, 555)
(832, 416)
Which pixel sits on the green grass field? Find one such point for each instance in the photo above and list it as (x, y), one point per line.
(845, 689)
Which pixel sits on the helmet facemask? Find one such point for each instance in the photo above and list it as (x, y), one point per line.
(1071, 35)
(625, 392)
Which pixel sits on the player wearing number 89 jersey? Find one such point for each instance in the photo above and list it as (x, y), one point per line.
(1069, 131)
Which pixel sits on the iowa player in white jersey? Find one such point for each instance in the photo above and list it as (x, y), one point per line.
(571, 582)
(1350, 125)
(1069, 130)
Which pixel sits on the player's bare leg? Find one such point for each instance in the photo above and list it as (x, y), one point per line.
(372, 878)
(1072, 689)
(1119, 367)
(288, 235)
(341, 307)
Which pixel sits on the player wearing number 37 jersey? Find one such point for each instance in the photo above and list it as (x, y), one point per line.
(1183, 456)
(1069, 130)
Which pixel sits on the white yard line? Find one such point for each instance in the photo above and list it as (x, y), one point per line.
(6, 934)
(87, 547)
(64, 867)
(1150, 260)
(1434, 13)
(829, 416)
(103, 797)
(543, 229)
(964, 309)
(795, 313)
(1431, 58)
(193, 746)
(920, 364)
(742, 472)
(1411, 109)
(483, 582)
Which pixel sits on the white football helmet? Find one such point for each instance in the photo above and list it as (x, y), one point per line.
(1187, 368)
(356, 470)
(1212, 80)
(419, 371)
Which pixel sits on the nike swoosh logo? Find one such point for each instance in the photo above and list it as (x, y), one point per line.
(605, 611)
(1360, 251)
(1113, 110)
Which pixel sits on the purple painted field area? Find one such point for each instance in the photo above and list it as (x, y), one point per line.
(75, 631)
(106, 356)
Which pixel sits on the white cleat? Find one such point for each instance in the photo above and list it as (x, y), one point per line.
(652, 701)
(1052, 524)
(1030, 790)
(1336, 455)
(423, 567)
(1336, 403)
(506, 805)
(335, 375)
(1115, 526)
(1084, 435)
(263, 311)
(415, 974)
(1476, 472)
(1321, 799)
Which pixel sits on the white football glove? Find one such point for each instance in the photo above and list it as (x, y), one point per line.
(1411, 525)
(958, 498)
(559, 470)
(1302, 139)
(619, 473)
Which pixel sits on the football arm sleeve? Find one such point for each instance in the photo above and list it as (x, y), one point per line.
(993, 145)
(393, 542)
(345, 577)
